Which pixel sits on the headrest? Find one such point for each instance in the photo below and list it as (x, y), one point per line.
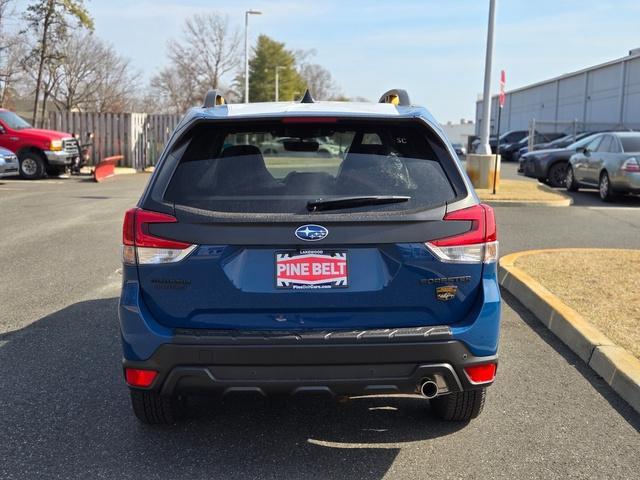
(371, 149)
(240, 151)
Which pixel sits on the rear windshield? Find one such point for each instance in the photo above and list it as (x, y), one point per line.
(630, 144)
(282, 167)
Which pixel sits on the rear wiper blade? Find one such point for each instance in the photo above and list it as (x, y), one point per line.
(353, 202)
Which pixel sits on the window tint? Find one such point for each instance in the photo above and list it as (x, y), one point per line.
(13, 121)
(275, 168)
(593, 144)
(605, 144)
(615, 145)
(582, 142)
(630, 144)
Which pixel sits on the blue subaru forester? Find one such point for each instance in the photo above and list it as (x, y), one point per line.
(311, 247)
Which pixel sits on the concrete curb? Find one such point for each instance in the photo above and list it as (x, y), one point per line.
(565, 201)
(619, 368)
(125, 171)
(533, 203)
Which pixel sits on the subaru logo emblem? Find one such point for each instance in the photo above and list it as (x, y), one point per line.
(311, 233)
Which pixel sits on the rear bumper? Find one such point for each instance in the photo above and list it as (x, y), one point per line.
(327, 367)
(8, 167)
(8, 170)
(340, 362)
(626, 182)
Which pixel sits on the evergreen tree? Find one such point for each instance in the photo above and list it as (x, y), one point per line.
(269, 54)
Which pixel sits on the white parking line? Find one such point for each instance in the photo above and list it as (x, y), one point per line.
(637, 209)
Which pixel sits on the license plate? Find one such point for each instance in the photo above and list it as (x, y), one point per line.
(311, 269)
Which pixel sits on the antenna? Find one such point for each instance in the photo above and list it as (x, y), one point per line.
(307, 98)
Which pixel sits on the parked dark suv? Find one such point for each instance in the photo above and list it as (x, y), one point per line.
(371, 271)
(507, 138)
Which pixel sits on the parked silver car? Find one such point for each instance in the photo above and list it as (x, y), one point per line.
(609, 162)
(8, 163)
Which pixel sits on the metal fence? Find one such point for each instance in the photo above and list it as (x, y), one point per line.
(138, 137)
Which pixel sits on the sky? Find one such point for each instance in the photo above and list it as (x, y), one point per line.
(433, 49)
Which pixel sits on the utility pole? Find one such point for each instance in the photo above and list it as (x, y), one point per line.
(278, 82)
(246, 52)
(484, 147)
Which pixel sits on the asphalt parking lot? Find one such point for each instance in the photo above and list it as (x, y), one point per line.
(66, 414)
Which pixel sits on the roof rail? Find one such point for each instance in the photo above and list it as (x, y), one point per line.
(213, 99)
(307, 98)
(396, 97)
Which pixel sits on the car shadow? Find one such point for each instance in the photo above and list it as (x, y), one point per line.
(66, 414)
(622, 407)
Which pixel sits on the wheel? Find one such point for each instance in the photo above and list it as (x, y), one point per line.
(459, 406)
(56, 170)
(32, 166)
(570, 180)
(604, 188)
(557, 174)
(154, 409)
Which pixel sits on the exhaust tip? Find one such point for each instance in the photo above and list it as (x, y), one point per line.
(429, 389)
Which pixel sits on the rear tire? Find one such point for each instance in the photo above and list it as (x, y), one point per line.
(570, 180)
(557, 175)
(154, 409)
(32, 166)
(459, 406)
(604, 188)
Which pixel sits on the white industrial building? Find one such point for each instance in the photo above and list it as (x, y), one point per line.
(604, 96)
(459, 132)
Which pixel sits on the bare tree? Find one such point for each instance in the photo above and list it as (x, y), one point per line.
(92, 76)
(12, 53)
(319, 81)
(12, 49)
(79, 69)
(175, 90)
(210, 49)
(202, 59)
(117, 84)
(50, 19)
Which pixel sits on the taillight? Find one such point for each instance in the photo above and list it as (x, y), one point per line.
(478, 374)
(477, 245)
(139, 378)
(631, 165)
(141, 247)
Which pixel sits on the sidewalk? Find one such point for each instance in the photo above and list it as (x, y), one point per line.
(599, 284)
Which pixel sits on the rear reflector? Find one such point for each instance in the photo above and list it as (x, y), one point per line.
(477, 245)
(139, 378)
(142, 247)
(481, 373)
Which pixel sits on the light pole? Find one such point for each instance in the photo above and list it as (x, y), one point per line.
(246, 52)
(484, 148)
(278, 81)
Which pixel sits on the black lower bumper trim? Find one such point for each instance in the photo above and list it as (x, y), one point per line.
(339, 369)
